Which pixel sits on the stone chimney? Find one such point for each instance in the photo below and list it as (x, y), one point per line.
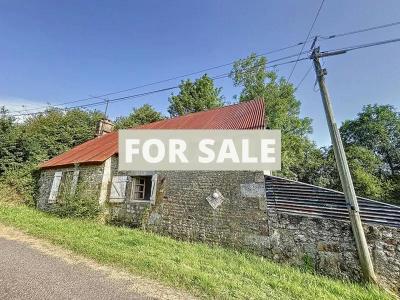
(104, 126)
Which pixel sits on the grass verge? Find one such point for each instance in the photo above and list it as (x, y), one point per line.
(208, 272)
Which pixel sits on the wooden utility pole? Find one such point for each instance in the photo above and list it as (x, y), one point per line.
(344, 171)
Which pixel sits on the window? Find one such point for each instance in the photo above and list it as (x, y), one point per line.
(64, 184)
(133, 188)
(140, 188)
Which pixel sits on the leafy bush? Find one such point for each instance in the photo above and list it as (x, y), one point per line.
(83, 203)
(9, 194)
(25, 144)
(23, 181)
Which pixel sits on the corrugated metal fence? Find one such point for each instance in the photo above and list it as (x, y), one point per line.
(298, 198)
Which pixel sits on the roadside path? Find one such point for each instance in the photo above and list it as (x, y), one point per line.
(33, 269)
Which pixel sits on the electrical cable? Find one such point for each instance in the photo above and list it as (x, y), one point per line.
(215, 67)
(150, 92)
(304, 77)
(308, 36)
(227, 64)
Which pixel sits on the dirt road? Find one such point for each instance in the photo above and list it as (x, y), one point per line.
(33, 269)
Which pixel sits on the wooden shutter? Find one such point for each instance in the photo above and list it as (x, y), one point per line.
(74, 182)
(54, 187)
(118, 188)
(153, 188)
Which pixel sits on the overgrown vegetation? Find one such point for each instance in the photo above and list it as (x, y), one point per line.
(81, 203)
(208, 272)
(9, 195)
(26, 143)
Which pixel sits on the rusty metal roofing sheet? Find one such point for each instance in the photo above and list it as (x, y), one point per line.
(298, 198)
(245, 115)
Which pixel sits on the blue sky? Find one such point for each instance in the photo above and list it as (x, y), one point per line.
(56, 51)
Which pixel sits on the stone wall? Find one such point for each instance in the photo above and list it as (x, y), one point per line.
(243, 221)
(91, 174)
(329, 247)
(183, 211)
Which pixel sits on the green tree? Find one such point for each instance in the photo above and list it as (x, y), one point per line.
(139, 116)
(56, 131)
(11, 154)
(195, 96)
(24, 144)
(300, 157)
(364, 167)
(281, 106)
(377, 128)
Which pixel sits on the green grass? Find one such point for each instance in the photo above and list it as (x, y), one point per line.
(209, 272)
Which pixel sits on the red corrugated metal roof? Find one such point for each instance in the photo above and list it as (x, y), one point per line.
(245, 115)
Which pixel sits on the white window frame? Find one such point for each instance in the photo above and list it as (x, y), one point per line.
(55, 186)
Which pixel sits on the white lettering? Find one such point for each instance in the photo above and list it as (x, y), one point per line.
(177, 149)
(266, 150)
(228, 151)
(245, 153)
(204, 149)
(130, 150)
(160, 151)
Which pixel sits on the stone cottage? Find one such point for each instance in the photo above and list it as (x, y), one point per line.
(129, 194)
(281, 219)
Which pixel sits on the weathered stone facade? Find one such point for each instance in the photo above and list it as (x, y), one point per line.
(330, 247)
(182, 209)
(243, 221)
(230, 209)
(92, 174)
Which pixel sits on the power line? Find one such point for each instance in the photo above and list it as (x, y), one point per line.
(304, 77)
(308, 36)
(361, 46)
(348, 49)
(360, 30)
(271, 66)
(156, 91)
(101, 102)
(219, 66)
(216, 67)
(168, 79)
(324, 53)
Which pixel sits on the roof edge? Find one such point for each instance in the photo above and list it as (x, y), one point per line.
(85, 163)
